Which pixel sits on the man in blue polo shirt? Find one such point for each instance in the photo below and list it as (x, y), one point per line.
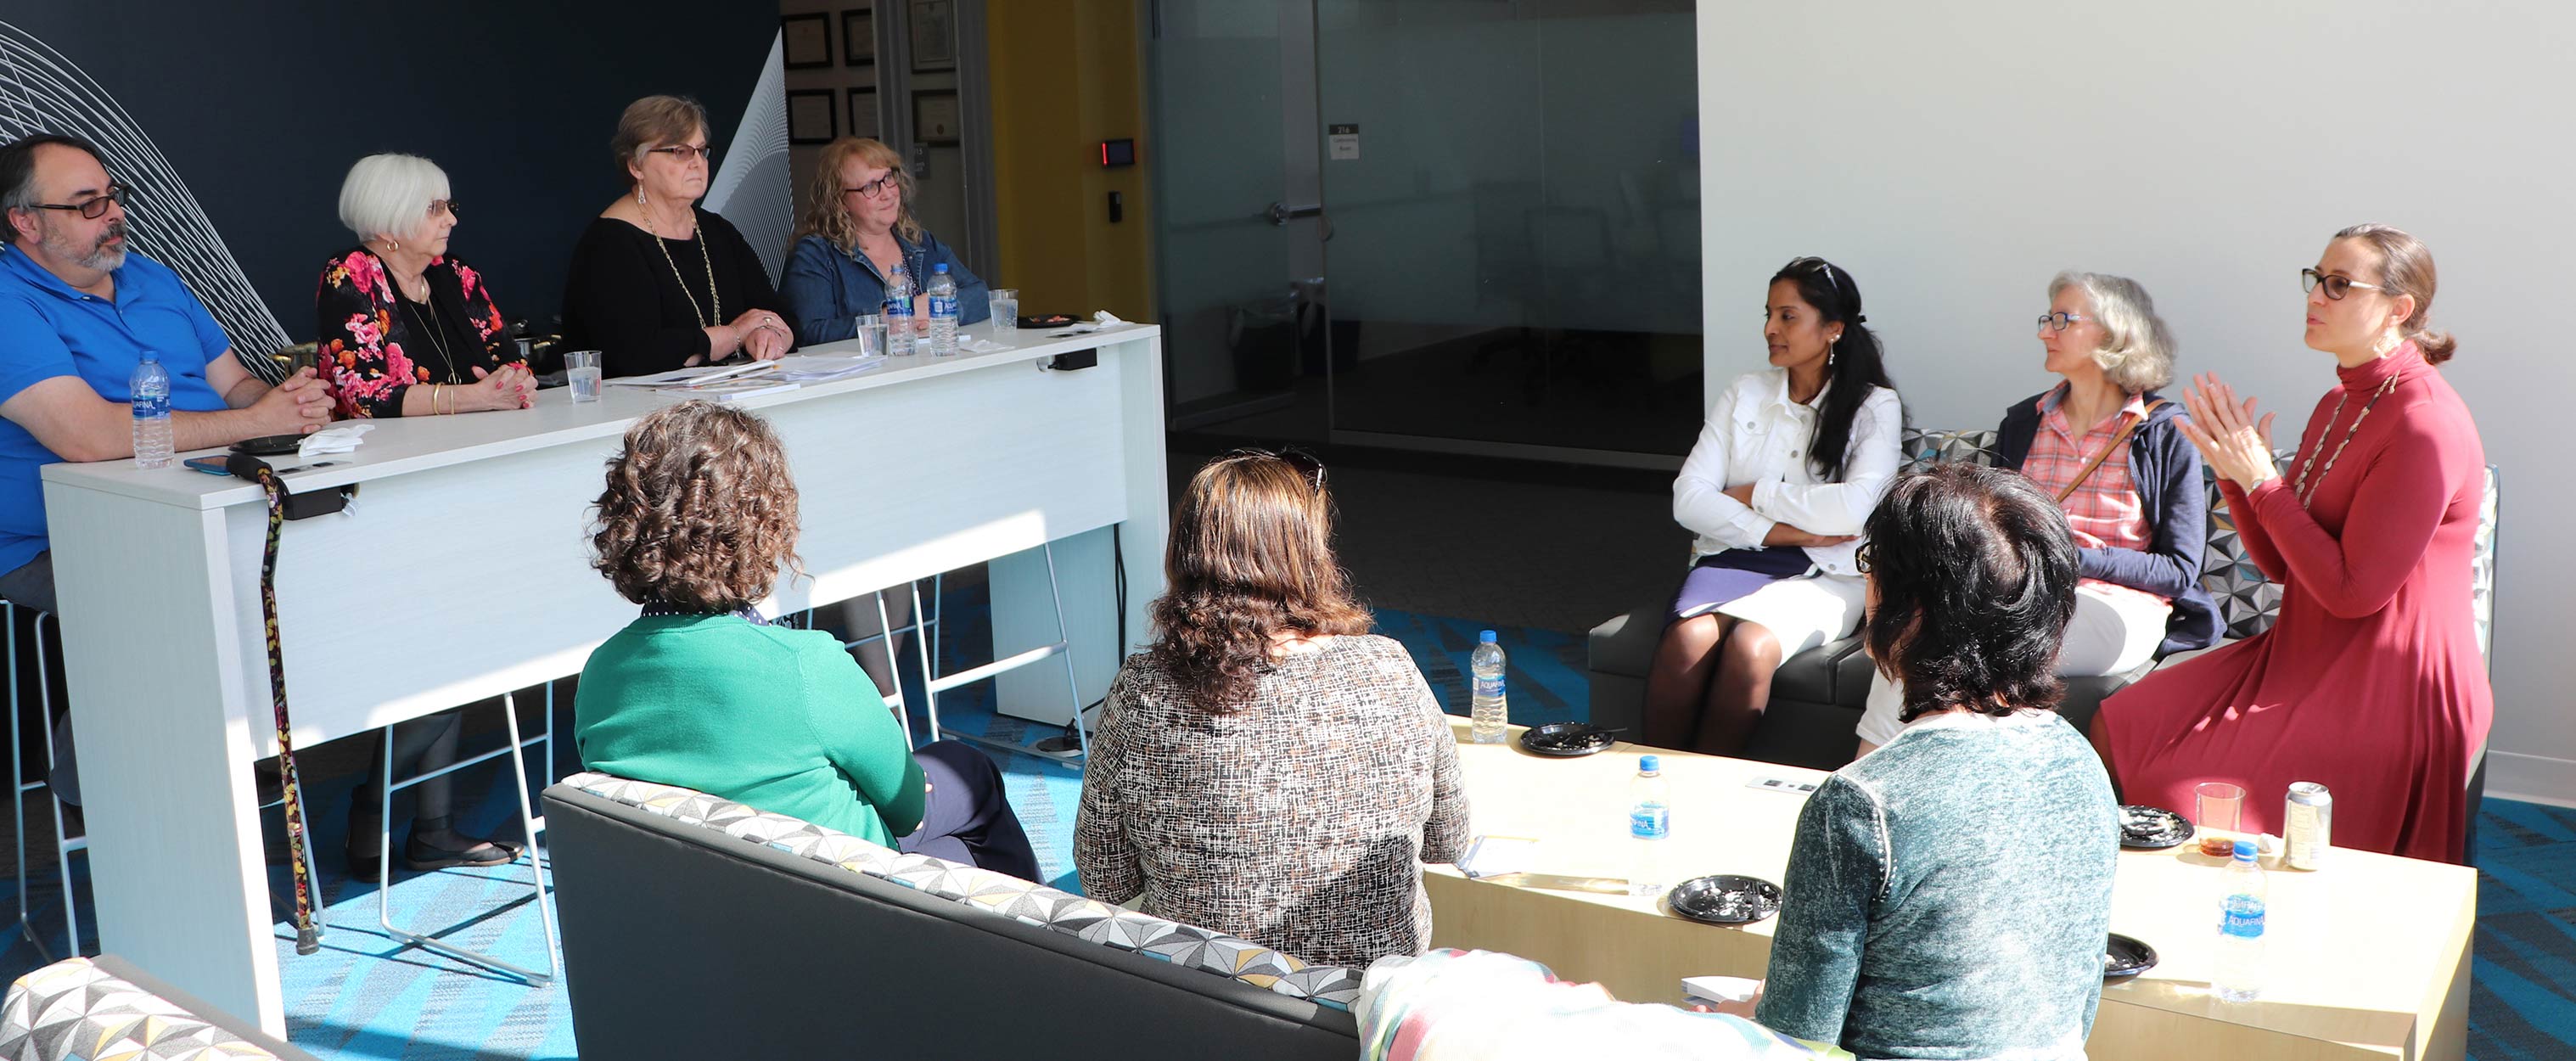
(77, 314)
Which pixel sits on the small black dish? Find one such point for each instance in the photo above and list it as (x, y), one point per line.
(2152, 828)
(2126, 957)
(1725, 899)
(269, 445)
(1565, 740)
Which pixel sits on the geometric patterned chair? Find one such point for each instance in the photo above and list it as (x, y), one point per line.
(104, 1007)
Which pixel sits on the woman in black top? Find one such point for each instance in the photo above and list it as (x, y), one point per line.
(405, 328)
(656, 283)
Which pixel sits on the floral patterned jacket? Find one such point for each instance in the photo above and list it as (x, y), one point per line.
(371, 349)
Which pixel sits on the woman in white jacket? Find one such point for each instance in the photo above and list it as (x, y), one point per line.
(1787, 469)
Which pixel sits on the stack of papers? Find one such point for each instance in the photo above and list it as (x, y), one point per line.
(720, 382)
(817, 368)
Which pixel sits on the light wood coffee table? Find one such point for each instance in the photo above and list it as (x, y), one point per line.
(2369, 957)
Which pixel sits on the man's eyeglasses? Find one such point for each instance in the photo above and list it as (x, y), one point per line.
(2057, 322)
(685, 153)
(877, 188)
(94, 207)
(2336, 286)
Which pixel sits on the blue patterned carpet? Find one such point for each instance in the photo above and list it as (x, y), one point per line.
(366, 996)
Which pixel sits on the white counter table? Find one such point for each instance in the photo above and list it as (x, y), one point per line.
(463, 573)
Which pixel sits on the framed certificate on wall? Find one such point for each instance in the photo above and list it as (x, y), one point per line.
(935, 117)
(809, 116)
(934, 35)
(859, 37)
(863, 113)
(805, 41)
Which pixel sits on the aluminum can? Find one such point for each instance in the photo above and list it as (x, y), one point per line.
(2307, 826)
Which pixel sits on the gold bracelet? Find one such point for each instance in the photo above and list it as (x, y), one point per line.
(435, 391)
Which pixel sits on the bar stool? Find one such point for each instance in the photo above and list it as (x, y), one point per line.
(528, 820)
(65, 845)
(1057, 649)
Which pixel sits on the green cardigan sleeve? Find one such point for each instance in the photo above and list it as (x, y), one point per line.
(859, 735)
(1837, 876)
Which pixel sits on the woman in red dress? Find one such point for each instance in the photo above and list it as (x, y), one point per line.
(2371, 681)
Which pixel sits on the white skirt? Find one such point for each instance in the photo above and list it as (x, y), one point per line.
(1803, 612)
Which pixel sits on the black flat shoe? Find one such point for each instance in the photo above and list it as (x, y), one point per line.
(421, 856)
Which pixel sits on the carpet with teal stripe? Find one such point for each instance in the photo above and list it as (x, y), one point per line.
(367, 996)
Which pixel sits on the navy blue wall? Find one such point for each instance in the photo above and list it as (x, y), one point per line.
(261, 107)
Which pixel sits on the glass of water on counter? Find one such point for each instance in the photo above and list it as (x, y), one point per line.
(1006, 309)
(871, 334)
(582, 370)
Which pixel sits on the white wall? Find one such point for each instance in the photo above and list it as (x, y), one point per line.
(1953, 157)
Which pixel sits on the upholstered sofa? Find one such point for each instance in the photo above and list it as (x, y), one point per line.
(1817, 696)
(106, 1007)
(698, 927)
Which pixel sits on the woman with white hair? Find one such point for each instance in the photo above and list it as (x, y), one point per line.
(406, 329)
(2111, 451)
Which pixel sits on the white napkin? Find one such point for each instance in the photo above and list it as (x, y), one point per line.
(1105, 319)
(339, 439)
(980, 346)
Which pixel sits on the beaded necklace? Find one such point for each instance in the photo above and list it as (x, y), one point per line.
(699, 235)
(2301, 487)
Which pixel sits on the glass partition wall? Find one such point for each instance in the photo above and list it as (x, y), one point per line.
(1466, 226)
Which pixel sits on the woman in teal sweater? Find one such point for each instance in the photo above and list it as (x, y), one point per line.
(698, 691)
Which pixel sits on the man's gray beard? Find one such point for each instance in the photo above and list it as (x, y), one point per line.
(103, 259)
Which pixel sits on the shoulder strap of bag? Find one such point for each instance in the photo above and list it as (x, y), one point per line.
(2117, 441)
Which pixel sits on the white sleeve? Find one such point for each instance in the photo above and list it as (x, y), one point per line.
(1879, 723)
(1868, 466)
(1699, 493)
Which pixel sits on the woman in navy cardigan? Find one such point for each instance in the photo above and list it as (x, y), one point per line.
(858, 227)
(2107, 447)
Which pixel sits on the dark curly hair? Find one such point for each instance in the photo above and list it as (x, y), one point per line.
(1250, 556)
(699, 513)
(1975, 573)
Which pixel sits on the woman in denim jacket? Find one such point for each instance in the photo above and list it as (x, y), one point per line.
(858, 227)
(1949, 894)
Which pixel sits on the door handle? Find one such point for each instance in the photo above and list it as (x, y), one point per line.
(1282, 213)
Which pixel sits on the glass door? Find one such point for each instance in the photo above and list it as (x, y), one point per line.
(1241, 221)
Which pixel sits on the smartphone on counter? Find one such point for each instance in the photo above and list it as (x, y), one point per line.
(208, 465)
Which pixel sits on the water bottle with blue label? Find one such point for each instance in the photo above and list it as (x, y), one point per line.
(152, 432)
(1489, 714)
(943, 311)
(1650, 824)
(2239, 973)
(898, 311)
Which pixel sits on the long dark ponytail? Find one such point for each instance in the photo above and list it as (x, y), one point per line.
(1856, 365)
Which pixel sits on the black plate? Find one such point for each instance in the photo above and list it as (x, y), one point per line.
(1565, 740)
(1725, 899)
(2126, 957)
(2153, 828)
(269, 445)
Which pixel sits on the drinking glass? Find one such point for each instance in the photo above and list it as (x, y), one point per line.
(1006, 309)
(2216, 814)
(582, 370)
(871, 334)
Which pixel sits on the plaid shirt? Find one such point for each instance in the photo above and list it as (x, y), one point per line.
(2105, 512)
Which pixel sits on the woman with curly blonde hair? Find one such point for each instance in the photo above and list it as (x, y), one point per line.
(1269, 768)
(856, 229)
(699, 691)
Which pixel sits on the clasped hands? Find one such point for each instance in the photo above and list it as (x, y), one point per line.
(1783, 534)
(2232, 441)
(764, 336)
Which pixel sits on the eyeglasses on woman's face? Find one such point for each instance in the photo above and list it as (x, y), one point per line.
(1861, 557)
(442, 206)
(95, 206)
(878, 188)
(685, 153)
(2336, 284)
(2059, 320)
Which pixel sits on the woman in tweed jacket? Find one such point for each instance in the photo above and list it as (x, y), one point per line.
(1269, 769)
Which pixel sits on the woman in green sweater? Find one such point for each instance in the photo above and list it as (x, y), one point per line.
(699, 691)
